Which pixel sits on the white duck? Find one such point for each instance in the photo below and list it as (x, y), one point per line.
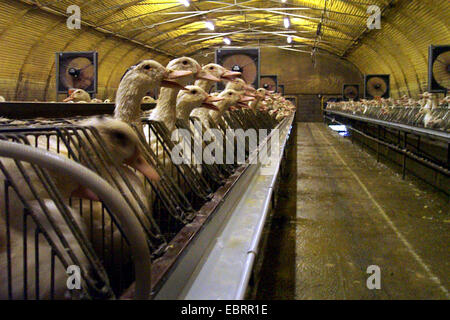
(217, 71)
(119, 139)
(165, 110)
(79, 95)
(134, 85)
(191, 98)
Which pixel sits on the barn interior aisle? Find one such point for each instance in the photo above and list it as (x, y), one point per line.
(352, 213)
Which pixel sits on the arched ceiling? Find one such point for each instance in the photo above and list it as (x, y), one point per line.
(124, 31)
(171, 28)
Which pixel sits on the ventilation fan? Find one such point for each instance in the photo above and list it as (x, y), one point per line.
(281, 89)
(76, 70)
(245, 61)
(269, 83)
(439, 68)
(350, 92)
(376, 85)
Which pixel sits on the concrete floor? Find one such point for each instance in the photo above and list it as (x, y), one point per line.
(343, 212)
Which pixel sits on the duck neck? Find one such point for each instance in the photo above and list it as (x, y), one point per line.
(253, 104)
(204, 84)
(183, 112)
(165, 110)
(222, 106)
(128, 101)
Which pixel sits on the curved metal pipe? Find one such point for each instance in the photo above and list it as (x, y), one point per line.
(114, 201)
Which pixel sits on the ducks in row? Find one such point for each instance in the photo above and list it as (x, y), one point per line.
(428, 111)
(177, 100)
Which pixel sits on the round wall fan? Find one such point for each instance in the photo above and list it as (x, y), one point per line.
(77, 70)
(350, 92)
(377, 86)
(441, 70)
(245, 61)
(244, 64)
(269, 83)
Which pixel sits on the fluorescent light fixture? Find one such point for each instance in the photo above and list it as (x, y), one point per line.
(185, 2)
(338, 128)
(209, 24)
(289, 39)
(284, 1)
(227, 40)
(287, 22)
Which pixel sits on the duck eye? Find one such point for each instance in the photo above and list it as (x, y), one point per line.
(211, 68)
(194, 91)
(147, 67)
(119, 135)
(185, 62)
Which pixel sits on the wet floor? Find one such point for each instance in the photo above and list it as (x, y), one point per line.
(343, 212)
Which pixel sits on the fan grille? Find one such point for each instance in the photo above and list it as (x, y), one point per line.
(76, 70)
(441, 69)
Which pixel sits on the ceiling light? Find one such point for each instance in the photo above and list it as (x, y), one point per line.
(227, 40)
(289, 39)
(284, 1)
(209, 25)
(286, 22)
(185, 2)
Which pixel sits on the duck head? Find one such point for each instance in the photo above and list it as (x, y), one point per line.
(195, 97)
(78, 95)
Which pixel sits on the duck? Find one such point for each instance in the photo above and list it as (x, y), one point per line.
(136, 82)
(79, 95)
(2, 99)
(229, 98)
(119, 139)
(191, 98)
(165, 110)
(96, 100)
(260, 95)
(240, 86)
(217, 71)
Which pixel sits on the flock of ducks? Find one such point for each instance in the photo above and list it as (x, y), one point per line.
(185, 88)
(428, 111)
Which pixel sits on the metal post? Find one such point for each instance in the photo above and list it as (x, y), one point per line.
(404, 156)
(378, 143)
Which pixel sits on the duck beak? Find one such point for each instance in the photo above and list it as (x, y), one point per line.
(208, 103)
(250, 88)
(246, 98)
(69, 98)
(138, 162)
(176, 74)
(203, 75)
(230, 75)
(250, 94)
(172, 75)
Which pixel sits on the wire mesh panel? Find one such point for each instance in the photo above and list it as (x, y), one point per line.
(41, 237)
(87, 146)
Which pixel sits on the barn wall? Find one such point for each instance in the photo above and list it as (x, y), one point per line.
(29, 38)
(304, 81)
